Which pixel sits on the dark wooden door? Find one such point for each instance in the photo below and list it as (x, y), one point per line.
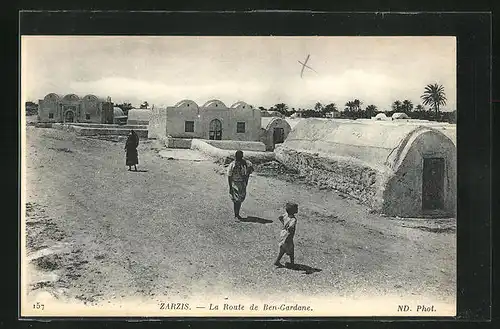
(278, 135)
(215, 130)
(433, 184)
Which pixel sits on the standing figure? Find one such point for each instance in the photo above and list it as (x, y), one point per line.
(238, 173)
(289, 222)
(131, 149)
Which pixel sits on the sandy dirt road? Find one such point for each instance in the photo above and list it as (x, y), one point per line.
(168, 230)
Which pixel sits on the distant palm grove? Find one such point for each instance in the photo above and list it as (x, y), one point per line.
(433, 97)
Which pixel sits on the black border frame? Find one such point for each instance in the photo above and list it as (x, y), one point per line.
(473, 32)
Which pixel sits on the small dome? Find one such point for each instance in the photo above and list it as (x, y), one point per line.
(71, 97)
(266, 122)
(187, 103)
(381, 116)
(241, 105)
(400, 116)
(214, 103)
(52, 97)
(276, 114)
(117, 112)
(93, 98)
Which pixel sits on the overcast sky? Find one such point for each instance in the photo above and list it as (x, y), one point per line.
(262, 71)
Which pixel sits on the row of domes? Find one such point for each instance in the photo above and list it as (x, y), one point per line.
(72, 97)
(213, 103)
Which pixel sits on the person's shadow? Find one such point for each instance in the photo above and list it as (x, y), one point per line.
(138, 170)
(253, 219)
(301, 267)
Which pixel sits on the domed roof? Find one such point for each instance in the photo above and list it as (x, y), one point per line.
(93, 98)
(400, 116)
(186, 103)
(241, 105)
(53, 97)
(117, 112)
(71, 97)
(214, 103)
(381, 116)
(276, 114)
(266, 122)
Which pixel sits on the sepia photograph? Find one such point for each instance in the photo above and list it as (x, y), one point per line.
(238, 176)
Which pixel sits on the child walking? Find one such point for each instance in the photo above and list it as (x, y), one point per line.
(289, 222)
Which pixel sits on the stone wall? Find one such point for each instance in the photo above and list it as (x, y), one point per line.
(344, 175)
(157, 127)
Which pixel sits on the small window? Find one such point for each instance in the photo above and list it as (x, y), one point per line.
(240, 127)
(189, 126)
(87, 116)
(51, 115)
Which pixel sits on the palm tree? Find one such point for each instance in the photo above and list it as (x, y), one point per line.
(349, 105)
(419, 108)
(396, 106)
(357, 104)
(407, 106)
(281, 108)
(318, 107)
(332, 107)
(125, 107)
(371, 110)
(434, 96)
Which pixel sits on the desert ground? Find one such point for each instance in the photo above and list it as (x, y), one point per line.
(98, 233)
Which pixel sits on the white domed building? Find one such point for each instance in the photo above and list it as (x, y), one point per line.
(212, 121)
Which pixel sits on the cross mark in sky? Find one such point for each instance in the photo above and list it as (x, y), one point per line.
(304, 65)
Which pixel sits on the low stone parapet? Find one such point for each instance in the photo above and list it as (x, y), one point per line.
(103, 125)
(85, 130)
(226, 155)
(238, 145)
(178, 143)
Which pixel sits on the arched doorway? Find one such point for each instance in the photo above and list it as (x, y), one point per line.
(215, 130)
(69, 116)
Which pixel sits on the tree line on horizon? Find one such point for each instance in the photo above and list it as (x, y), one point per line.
(433, 96)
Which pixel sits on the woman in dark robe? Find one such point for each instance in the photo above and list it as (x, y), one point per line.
(131, 148)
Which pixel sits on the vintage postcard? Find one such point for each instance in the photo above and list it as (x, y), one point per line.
(186, 176)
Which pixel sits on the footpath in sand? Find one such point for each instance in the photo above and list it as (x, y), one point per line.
(98, 233)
